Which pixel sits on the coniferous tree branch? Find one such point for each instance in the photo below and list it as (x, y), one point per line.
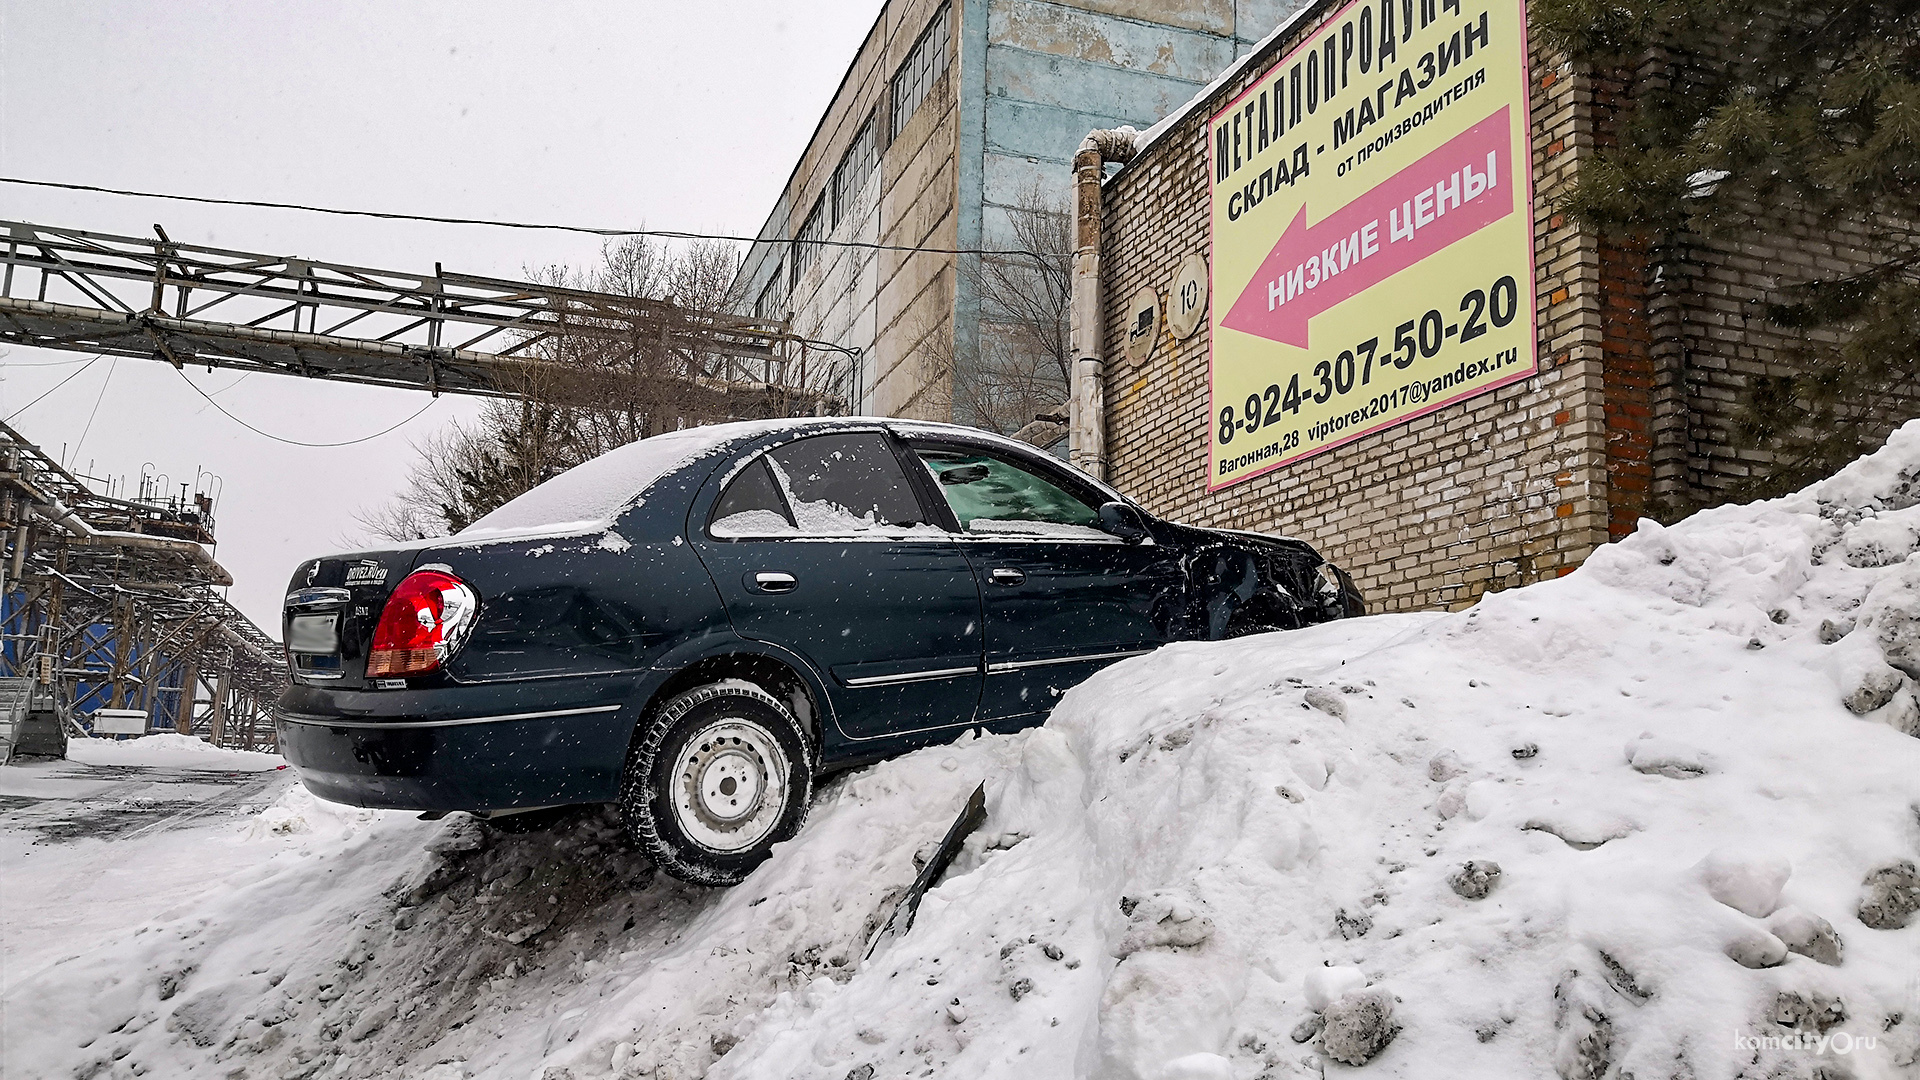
(1748, 114)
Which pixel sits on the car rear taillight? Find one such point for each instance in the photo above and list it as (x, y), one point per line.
(425, 621)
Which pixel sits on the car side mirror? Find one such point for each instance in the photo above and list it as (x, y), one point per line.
(965, 474)
(1119, 519)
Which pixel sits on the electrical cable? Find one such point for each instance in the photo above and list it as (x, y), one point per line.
(243, 378)
(98, 398)
(56, 386)
(664, 234)
(47, 363)
(297, 442)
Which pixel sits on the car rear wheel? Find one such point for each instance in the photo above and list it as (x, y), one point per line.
(717, 776)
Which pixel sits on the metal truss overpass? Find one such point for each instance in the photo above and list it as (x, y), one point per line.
(444, 332)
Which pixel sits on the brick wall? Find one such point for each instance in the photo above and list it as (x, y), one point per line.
(1716, 341)
(1626, 343)
(1501, 489)
(1647, 352)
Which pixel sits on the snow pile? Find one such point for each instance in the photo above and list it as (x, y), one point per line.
(370, 943)
(1616, 824)
(167, 749)
(1658, 818)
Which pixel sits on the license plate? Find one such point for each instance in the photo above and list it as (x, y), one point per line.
(313, 634)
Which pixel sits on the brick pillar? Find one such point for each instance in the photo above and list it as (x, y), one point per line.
(1627, 383)
(1627, 373)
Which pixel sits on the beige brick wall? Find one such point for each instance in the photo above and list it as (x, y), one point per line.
(1495, 491)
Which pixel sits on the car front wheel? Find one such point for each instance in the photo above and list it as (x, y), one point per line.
(717, 776)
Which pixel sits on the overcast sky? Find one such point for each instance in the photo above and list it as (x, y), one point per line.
(617, 114)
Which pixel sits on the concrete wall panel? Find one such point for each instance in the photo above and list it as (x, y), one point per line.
(1120, 45)
(1134, 97)
(1258, 18)
(1008, 175)
(1208, 16)
(1022, 129)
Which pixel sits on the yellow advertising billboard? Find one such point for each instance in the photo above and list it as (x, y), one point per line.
(1372, 230)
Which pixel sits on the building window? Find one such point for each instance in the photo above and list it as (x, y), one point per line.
(772, 305)
(852, 174)
(806, 246)
(927, 62)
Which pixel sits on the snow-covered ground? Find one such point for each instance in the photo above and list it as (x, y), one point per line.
(1658, 818)
(92, 848)
(168, 750)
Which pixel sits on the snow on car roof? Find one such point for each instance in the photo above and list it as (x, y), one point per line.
(589, 496)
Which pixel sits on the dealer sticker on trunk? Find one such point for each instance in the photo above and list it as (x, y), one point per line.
(366, 572)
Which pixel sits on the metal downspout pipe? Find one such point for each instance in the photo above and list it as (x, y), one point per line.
(1087, 408)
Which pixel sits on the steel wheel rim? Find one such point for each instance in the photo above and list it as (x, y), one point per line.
(729, 785)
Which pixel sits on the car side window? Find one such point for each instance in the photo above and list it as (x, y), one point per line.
(752, 505)
(829, 485)
(844, 485)
(991, 496)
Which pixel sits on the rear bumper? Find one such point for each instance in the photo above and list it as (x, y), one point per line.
(466, 748)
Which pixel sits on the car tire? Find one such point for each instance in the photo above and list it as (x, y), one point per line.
(715, 778)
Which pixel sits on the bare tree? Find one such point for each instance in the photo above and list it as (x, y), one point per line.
(448, 484)
(1006, 389)
(639, 366)
(1027, 298)
(1023, 353)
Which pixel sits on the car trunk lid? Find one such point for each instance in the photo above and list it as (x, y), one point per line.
(331, 609)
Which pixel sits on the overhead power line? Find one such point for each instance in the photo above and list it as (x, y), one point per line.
(196, 389)
(297, 442)
(41, 363)
(664, 234)
(98, 398)
(56, 386)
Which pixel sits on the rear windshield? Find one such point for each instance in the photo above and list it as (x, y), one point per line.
(592, 494)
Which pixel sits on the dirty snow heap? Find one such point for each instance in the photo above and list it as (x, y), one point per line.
(1660, 817)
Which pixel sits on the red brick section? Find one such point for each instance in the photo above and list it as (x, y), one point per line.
(1627, 379)
(1627, 367)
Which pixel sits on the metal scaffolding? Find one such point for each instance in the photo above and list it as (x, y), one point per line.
(114, 603)
(444, 332)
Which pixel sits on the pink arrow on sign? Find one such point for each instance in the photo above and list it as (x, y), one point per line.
(1452, 193)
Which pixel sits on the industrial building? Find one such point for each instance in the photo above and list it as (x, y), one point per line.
(952, 115)
(112, 620)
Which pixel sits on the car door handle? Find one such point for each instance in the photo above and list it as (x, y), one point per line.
(1005, 575)
(774, 581)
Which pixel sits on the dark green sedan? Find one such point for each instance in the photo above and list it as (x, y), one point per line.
(697, 625)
